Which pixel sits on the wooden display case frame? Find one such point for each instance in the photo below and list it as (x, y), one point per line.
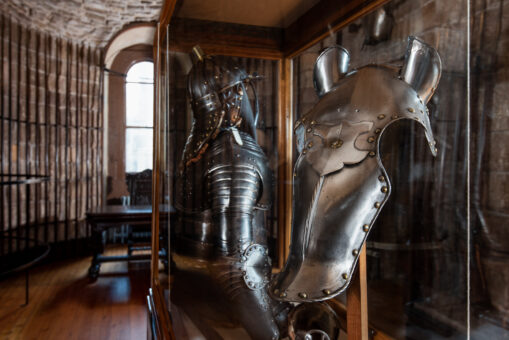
(264, 43)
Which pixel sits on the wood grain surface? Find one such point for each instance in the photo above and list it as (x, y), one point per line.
(64, 305)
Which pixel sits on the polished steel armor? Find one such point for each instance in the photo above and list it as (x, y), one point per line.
(340, 184)
(223, 187)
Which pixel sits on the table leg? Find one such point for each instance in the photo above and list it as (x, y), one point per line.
(27, 291)
(98, 248)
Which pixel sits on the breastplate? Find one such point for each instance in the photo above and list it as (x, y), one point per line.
(222, 196)
(340, 184)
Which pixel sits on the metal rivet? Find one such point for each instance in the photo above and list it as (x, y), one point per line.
(303, 295)
(304, 151)
(304, 119)
(310, 145)
(365, 227)
(372, 154)
(381, 178)
(371, 139)
(357, 110)
(377, 131)
(344, 276)
(381, 116)
(355, 252)
(326, 291)
(436, 150)
(313, 122)
(385, 189)
(377, 205)
(395, 117)
(205, 82)
(276, 291)
(308, 130)
(336, 144)
(283, 295)
(411, 109)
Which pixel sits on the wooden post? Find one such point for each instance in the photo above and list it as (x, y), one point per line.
(357, 302)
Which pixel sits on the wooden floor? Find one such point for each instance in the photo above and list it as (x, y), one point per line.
(65, 305)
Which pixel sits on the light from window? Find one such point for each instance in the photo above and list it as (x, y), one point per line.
(139, 117)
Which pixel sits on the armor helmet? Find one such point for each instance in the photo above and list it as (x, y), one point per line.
(219, 101)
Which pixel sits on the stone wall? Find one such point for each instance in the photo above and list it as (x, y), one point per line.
(93, 22)
(51, 125)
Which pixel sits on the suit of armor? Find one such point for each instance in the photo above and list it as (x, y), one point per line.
(223, 188)
(340, 183)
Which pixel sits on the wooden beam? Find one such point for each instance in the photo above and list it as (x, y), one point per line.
(357, 302)
(326, 17)
(164, 19)
(225, 38)
(285, 152)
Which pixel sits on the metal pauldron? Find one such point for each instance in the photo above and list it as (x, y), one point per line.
(340, 184)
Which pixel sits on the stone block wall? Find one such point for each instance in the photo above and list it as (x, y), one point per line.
(51, 125)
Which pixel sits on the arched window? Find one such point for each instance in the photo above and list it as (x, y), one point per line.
(139, 87)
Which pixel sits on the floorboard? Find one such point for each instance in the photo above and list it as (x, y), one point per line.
(65, 305)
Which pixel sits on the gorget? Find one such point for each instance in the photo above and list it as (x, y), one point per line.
(340, 184)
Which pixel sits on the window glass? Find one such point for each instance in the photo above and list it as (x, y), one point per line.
(138, 149)
(139, 116)
(140, 95)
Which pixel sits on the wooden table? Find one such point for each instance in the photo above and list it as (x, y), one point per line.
(104, 217)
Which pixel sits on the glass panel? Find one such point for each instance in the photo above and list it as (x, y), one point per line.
(140, 95)
(139, 143)
(417, 248)
(190, 309)
(490, 166)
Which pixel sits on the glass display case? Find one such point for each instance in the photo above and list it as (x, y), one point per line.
(433, 262)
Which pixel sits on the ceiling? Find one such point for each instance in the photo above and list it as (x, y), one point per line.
(93, 22)
(271, 13)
